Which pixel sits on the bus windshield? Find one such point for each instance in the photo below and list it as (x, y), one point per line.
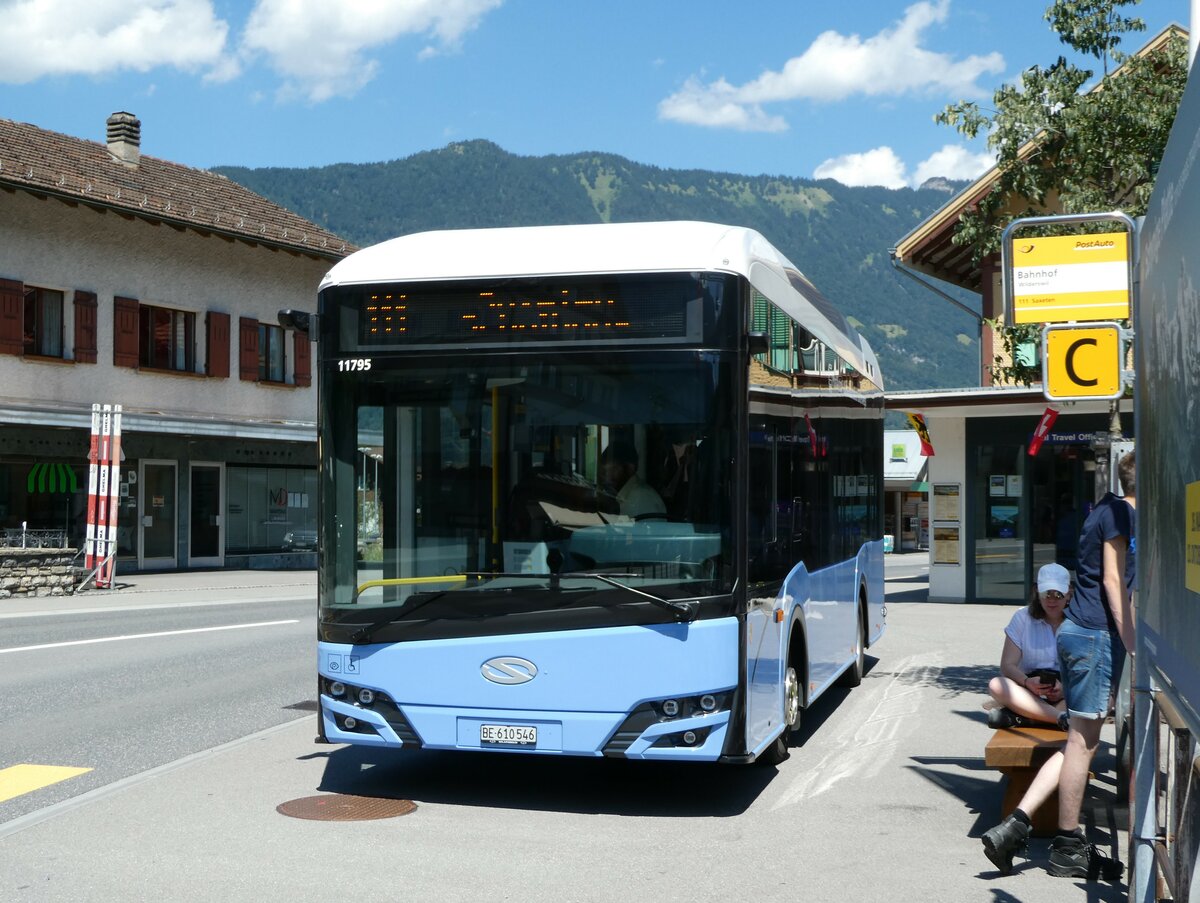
(531, 487)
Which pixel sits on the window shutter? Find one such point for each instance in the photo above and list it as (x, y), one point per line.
(758, 321)
(85, 327)
(248, 348)
(781, 330)
(12, 314)
(125, 332)
(218, 345)
(303, 359)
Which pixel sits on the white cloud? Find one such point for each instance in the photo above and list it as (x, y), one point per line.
(91, 37)
(880, 166)
(952, 162)
(320, 47)
(717, 106)
(835, 67)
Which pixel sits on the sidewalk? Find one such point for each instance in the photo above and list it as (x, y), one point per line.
(173, 588)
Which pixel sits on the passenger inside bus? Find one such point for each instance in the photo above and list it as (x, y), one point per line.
(619, 471)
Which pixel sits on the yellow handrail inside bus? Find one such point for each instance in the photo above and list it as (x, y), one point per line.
(406, 581)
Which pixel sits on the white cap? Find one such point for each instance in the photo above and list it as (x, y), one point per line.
(1054, 576)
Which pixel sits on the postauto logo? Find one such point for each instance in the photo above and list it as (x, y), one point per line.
(51, 478)
(508, 669)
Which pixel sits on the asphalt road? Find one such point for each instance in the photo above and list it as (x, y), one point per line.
(120, 692)
(884, 797)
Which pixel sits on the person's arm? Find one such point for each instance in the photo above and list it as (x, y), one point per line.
(1119, 602)
(1010, 662)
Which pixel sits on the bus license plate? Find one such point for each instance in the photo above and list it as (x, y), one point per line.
(508, 734)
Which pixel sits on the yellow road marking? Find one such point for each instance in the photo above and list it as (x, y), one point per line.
(18, 779)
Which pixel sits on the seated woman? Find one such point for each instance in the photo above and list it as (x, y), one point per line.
(1027, 690)
(1028, 698)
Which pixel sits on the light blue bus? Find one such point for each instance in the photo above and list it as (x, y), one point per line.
(602, 490)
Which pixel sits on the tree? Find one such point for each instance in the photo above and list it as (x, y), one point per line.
(1061, 149)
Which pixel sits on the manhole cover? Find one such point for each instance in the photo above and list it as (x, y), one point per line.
(345, 807)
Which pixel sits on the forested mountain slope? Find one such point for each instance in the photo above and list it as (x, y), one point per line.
(838, 236)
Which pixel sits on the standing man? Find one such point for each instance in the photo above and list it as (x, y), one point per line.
(1092, 641)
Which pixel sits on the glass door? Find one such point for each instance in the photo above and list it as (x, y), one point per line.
(206, 526)
(1001, 523)
(157, 515)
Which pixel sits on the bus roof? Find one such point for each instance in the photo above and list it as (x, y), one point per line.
(682, 246)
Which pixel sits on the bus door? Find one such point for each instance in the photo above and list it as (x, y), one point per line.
(768, 549)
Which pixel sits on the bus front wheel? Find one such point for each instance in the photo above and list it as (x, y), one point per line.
(778, 750)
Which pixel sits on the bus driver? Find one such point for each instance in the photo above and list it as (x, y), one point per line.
(618, 470)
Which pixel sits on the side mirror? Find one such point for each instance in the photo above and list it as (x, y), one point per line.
(758, 342)
(299, 320)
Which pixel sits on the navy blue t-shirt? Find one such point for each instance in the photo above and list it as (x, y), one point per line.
(1112, 517)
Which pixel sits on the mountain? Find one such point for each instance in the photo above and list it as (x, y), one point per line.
(837, 235)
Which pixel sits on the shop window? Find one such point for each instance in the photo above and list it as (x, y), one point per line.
(166, 338)
(43, 322)
(269, 509)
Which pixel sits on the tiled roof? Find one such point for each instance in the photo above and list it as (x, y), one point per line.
(47, 163)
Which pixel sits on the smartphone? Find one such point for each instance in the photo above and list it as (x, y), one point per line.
(1045, 675)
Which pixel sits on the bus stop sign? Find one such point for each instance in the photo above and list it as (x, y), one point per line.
(1083, 362)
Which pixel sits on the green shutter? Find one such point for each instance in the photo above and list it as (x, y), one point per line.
(781, 331)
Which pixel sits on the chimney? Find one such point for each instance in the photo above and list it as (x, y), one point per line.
(124, 137)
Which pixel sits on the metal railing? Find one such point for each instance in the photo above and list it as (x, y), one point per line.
(21, 538)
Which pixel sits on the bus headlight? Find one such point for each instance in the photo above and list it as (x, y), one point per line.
(365, 696)
(670, 707)
(708, 702)
(337, 689)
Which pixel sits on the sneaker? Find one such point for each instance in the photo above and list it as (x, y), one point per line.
(1074, 857)
(1004, 840)
(1002, 717)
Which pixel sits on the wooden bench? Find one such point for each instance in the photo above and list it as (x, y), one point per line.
(1019, 753)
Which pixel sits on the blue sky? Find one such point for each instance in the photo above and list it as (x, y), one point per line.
(846, 90)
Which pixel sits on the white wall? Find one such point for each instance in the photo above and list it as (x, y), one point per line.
(948, 583)
(51, 245)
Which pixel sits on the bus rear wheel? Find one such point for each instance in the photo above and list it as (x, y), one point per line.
(853, 675)
(779, 750)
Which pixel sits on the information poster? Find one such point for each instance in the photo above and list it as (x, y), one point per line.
(946, 503)
(946, 545)
(997, 486)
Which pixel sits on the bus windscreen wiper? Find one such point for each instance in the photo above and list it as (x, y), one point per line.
(682, 611)
(364, 633)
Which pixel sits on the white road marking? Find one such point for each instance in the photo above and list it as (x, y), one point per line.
(861, 748)
(143, 636)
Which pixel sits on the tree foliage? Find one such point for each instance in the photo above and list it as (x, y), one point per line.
(1065, 144)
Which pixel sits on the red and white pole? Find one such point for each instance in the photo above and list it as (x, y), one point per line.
(114, 502)
(103, 493)
(93, 461)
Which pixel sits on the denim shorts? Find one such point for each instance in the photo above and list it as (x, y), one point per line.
(1091, 661)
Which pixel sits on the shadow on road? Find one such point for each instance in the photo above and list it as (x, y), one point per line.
(568, 784)
(546, 783)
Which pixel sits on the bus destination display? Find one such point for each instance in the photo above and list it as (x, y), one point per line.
(645, 309)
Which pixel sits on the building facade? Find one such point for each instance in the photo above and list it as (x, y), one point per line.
(133, 281)
(996, 512)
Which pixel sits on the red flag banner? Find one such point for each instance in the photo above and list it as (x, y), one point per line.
(812, 435)
(1043, 430)
(917, 422)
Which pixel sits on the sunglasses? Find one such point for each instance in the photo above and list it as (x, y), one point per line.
(1054, 594)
